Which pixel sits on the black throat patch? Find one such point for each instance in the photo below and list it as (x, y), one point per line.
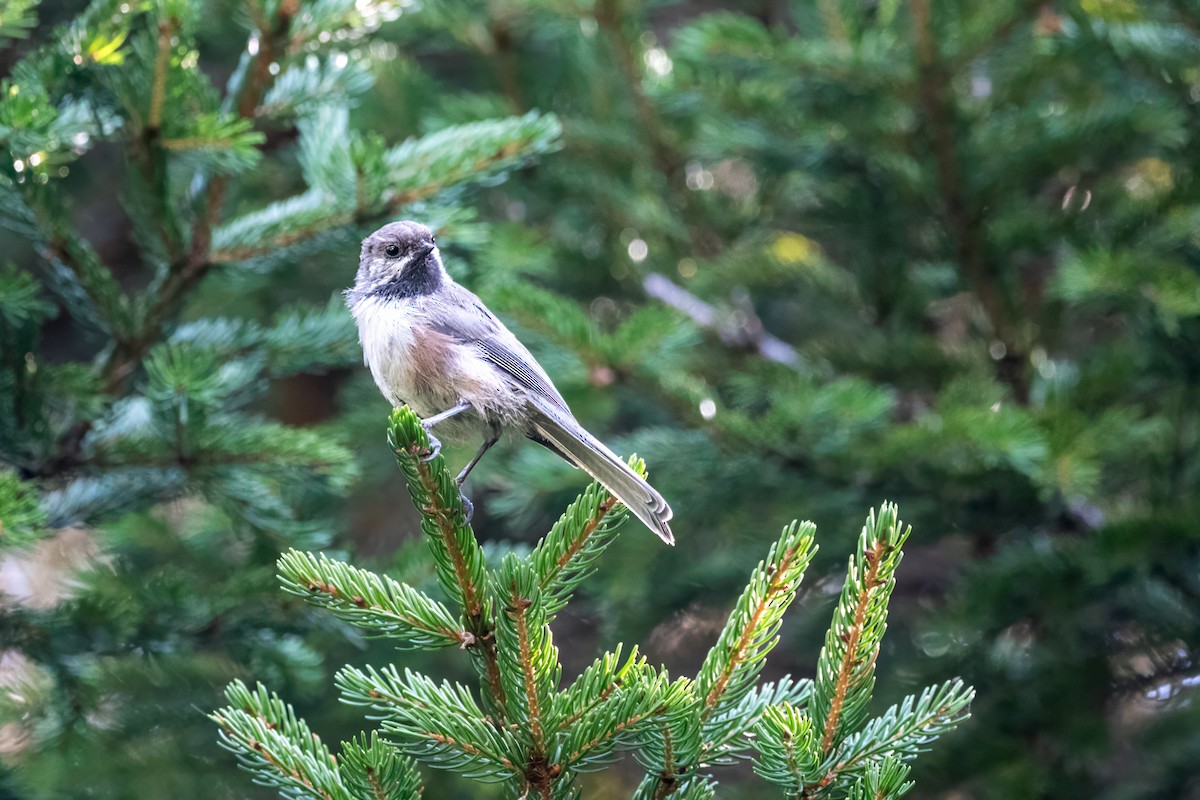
(420, 278)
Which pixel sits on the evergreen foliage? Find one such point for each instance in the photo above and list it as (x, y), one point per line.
(803, 253)
(147, 432)
(942, 252)
(533, 735)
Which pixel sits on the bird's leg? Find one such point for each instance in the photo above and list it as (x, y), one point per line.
(435, 444)
(493, 437)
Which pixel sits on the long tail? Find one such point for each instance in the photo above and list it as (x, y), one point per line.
(562, 434)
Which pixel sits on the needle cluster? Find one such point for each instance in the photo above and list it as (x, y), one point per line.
(527, 728)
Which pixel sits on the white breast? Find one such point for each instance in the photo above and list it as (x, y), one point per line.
(385, 330)
(431, 371)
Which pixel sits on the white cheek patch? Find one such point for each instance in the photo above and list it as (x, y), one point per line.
(383, 269)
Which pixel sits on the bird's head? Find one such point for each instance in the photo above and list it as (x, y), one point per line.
(400, 259)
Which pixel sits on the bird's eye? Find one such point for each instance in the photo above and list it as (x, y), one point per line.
(392, 250)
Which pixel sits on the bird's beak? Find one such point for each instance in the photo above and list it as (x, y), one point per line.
(428, 250)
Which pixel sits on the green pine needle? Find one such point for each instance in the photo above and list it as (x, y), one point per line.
(22, 306)
(17, 18)
(276, 746)
(567, 555)
(22, 518)
(216, 141)
(788, 749)
(905, 729)
(846, 667)
(366, 180)
(306, 87)
(375, 603)
(596, 684)
(529, 665)
(732, 667)
(883, 780)
(603, 727)
(438, 724)
(653, 787)
(373, 769)
(457, 555)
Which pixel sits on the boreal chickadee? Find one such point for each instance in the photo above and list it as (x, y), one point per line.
(432, 344)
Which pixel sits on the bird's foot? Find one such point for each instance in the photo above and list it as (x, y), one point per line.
(435, 447)
(468, 507)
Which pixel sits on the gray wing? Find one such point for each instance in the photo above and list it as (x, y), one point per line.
(465, 318)
(474, 324)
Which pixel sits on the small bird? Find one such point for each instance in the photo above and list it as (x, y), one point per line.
(434, 345)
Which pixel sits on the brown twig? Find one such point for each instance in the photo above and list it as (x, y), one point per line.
(750, 335)
(666, 778)
(186, 272)
(850, 660)
(455, 636)
(166, 29)
(608, 16)
(517, 608)
(774, 588)
(480, 627)
(466, 747)
(576, 546)
(503, 55)
(966, 226)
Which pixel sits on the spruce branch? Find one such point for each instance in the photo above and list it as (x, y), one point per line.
(596, 684)
(669, 743)
(439, 724)
(809, 736)
(725, 735)
(605, 726)
(17, 17)
(458, 558)
(373, 770)
(220, 142)
(378, 604)
(846, 667)
(186, 271)
(965, 221)
(788, 749)
(714, 728)
(697, 787)
(732, 666)
(609, 17)
(882, 780)
(307, 86)
(22, 519)
(277, 746)
(528, 659)
(72, 257)
(414, 170)
(300, 339)
(904, 730)
(567, 554)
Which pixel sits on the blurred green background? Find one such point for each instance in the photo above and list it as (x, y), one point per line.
(801, 255)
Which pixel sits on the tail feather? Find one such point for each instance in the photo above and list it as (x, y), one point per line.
(567, 438)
